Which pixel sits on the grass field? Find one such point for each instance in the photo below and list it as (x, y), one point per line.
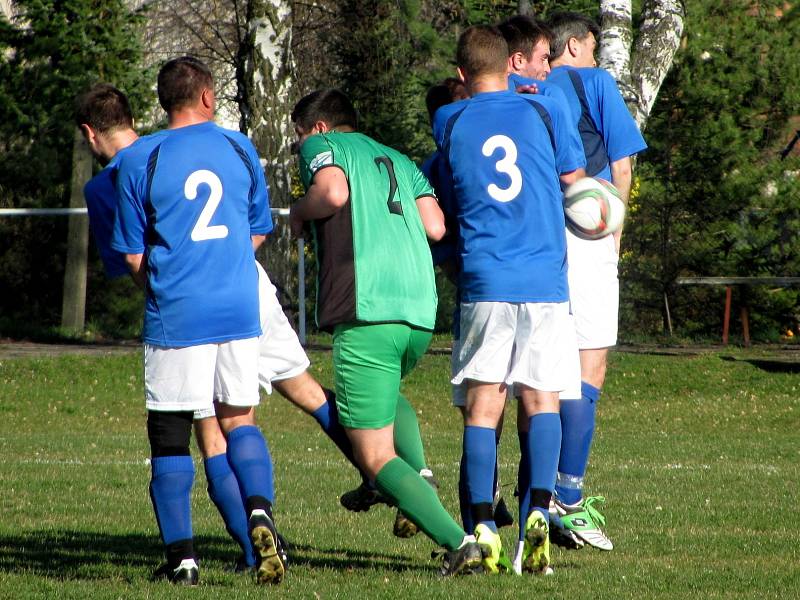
(697, 455)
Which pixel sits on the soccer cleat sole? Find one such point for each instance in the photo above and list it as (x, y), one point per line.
(404, 527)
(269, 566)
(537, 555)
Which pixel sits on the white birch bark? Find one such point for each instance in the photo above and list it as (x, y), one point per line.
(660, 33)
(266, 105)
(615, 40)
(640, 70)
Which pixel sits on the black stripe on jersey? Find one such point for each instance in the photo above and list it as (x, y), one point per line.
(448, 130)
(152, 237)
(594, 148)
(152, 161)
(548, 122)
(248, 165)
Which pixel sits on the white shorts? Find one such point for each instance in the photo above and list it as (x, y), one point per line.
(192, 378)
(530, 344)
(594, 290)
(460, 389)
(280, 355)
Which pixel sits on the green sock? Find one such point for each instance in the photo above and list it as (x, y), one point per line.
(419, 502)
(407, 439)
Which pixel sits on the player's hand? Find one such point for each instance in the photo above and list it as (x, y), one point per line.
(530, 88)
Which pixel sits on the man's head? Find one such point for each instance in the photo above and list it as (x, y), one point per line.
(100, 113)
(528, 46)
(450, 90)
(481, 54)
(322, 111)
(574, 39)
(186, 83)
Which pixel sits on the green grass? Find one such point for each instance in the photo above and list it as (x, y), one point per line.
(697, 456)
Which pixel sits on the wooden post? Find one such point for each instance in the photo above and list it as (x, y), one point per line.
(73, 307)
(669, 318)
(727, 318)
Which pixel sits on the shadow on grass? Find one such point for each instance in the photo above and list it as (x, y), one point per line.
(86, 555)
(348, 558)
(768, 365)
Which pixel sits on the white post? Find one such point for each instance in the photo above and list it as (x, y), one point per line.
(301, 290)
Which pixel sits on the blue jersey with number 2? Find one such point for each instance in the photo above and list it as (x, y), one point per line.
(502, 150)
(189, 199)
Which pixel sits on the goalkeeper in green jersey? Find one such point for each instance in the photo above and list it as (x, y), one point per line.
(372, 213)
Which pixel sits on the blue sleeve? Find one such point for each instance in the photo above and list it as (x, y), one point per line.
(101, 203)
(441, 117)
(620, 134)
(130, 223)
(259, 212)
(441, 178)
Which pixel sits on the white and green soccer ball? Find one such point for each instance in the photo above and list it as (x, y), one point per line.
(593, 208)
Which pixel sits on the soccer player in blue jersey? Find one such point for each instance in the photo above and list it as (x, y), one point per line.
(104, 117)
(528, 65)
(515, 325)
(192, 207)
(444, 254)
(609, 138)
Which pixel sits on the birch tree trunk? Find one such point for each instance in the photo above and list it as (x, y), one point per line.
(640, 70)
(266, 103)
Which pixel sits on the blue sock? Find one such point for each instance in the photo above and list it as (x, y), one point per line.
(544, 443)
(577, 428)
(523, 482)
(480, 453)
(464, 504)
(170, 490)
(248, 456)
(328, 418)
(223, 489)
(496, 481)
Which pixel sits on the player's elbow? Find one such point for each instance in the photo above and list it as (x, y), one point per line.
(337, 196)
(435, 230)
(621, 169)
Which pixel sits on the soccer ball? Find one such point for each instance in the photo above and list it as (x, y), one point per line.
(593, 208)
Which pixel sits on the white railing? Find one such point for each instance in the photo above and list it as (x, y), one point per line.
(276, 212)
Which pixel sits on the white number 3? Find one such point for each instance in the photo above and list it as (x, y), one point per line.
(202, 231)
(506, 165)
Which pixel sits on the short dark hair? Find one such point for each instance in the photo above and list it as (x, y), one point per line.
(181, 81)
(103, 108)
(482, 50)
(566, 25)
(329, 105)
(522, 33)
(440, 94)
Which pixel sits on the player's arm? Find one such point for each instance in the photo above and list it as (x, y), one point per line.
(130, 222)
(257, 240)
(432, 217)
(327, 194)
(572, 176)
(621, 175)
(136, 265)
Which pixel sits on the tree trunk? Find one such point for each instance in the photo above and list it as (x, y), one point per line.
(267, 101)
(525, 7)
(641, 71)
(73, 308)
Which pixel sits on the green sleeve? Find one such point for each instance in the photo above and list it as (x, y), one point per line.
(315, 153)
(422, 187)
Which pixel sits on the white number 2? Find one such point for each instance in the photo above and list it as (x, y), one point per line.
(506, 165)
(202, 231)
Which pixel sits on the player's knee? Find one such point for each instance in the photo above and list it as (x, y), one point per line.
(169, 432)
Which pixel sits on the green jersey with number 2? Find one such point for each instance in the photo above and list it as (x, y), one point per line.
(374, 262)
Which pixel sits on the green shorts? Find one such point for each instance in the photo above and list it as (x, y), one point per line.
(368, 363)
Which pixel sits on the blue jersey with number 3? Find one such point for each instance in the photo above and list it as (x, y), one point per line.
(189, 199)
(505, 160)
